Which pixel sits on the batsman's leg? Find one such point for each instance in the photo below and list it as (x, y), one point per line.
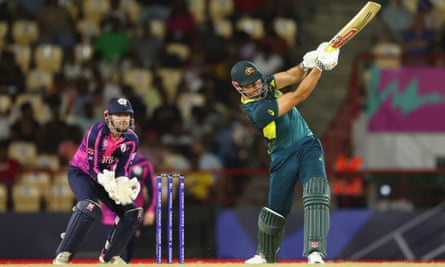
(84, 214)
(271, 227)
(123, 231)
(316, 202)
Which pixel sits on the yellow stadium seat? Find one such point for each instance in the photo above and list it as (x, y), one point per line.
(171, 77)
(25, 32)
(26, 198)
(48, 57)
(40, 108)
(252, 26)
(157, 28)
(38, 79)
(3, 198)
(139, 79)
(95, 9)
(179, 49)
(24, 152)
(5, 103)
(198, 8)
(286, 28)
(38, 179)
(59, 198)
(223, 27)
(88, 29)
(60, 177)
(47, 161)
(220, 8)
(22, 55)
(132, 8)
(83, 52)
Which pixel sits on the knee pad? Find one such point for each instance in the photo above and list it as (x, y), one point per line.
(83, 216)
(270, 233)
(316, 202)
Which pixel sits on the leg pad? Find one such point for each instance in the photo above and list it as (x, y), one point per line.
(270, 233)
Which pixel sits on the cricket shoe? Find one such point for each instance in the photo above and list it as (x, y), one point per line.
(114, 260)
(62, 258)
(315, 258)
(256, 259)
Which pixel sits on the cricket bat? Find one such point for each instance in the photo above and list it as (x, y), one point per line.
(354, 26)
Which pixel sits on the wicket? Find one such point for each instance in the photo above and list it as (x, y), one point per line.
(170, 178)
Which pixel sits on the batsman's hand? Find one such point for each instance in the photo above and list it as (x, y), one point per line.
(106, 179)
(127, 189)
(327, 60)
(309, 60)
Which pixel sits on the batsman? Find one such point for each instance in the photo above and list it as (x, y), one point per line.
(295, 153)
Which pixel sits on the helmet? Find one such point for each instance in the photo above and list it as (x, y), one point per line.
(119, 106)
(244, 73)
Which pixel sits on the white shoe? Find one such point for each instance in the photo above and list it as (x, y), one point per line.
(114, 260)
(256, 259)
(62, 258)
(315, 258)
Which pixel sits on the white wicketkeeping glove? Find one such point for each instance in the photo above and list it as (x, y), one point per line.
(327, 60)
(106, 179)
(309, 60)
(127, 189)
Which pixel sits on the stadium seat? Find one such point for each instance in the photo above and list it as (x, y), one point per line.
(139, 79)
(5, 103)
(179, 49)
(223, 28)
(220, 9)
(41, 180)
(22, 55)
(38, 80)
(48, 57)
(95, 9)
(132, 8)
(157, 28)
(198, 9)
(26, 198)
(3, 198)
(252, 26)
(83, 52)
(286, 28)
(59, 198)
(40, 108)
(171, 77)
(24, 152)
(47, 161)
(88, 29)
(25, 32)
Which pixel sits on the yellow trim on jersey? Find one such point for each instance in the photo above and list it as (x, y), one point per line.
(270, 131)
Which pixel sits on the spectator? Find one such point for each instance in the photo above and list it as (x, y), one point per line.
(56, 25)
(418, 41)
(11, 75)
(180, 22)
(396, 18)
(26, 127)
(9, 169)
(113, 42)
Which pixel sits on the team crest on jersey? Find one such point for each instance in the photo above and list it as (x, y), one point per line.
(123, 148)
(90, 151)
(249, 71)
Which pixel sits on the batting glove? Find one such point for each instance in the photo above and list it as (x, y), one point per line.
(309, 60)
(327, 60)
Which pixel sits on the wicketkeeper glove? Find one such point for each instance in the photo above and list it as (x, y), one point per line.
(106, 179)
(127, 189)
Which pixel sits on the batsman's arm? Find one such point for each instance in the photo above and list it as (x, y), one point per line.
(289, 77)
(287, 101)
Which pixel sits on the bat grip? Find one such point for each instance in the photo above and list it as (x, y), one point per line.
(329, 49)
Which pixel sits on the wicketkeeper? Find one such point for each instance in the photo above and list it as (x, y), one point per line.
(99, 170)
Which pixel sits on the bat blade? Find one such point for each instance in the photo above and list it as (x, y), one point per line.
(354, 26)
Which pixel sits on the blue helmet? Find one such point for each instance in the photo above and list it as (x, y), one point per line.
(119, 106)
